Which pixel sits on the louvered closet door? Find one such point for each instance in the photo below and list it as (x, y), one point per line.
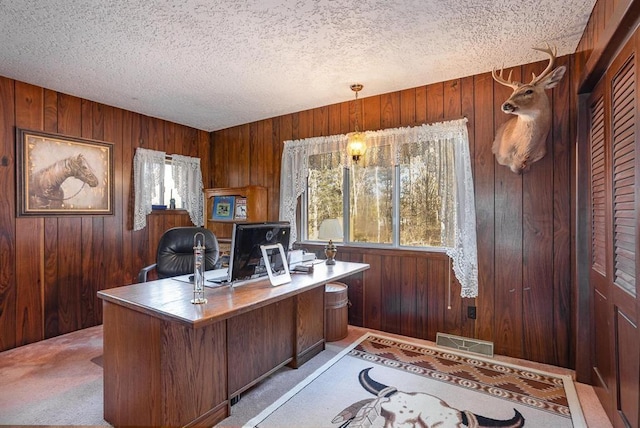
(614, 196)
(624, 296)
(603, 376)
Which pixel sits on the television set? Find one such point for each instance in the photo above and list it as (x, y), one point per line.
(246, 261)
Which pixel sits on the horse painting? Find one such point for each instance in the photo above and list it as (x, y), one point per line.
(45, 189)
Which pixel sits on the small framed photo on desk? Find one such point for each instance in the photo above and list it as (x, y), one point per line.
(223, 207)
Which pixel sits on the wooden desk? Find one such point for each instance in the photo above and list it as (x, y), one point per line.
(172, 363)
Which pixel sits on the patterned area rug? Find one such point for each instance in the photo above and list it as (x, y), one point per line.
(385, 382)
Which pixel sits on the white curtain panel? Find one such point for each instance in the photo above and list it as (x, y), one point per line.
(460, 236)
(187, 178)
(148, 170)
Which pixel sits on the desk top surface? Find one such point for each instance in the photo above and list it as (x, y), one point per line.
(171, 299)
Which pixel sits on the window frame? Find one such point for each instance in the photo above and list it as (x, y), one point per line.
(395, 216)
(168, 169)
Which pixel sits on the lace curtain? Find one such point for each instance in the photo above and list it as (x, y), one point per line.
(187, 178)
(452, 135)
(148, 171)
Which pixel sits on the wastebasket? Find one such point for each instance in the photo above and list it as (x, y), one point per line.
(336, 311)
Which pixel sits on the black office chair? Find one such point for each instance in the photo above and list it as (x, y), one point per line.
(175, 253)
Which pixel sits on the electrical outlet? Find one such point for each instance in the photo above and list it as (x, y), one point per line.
(471, 312)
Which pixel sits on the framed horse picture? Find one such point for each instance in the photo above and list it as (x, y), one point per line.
(59, 175)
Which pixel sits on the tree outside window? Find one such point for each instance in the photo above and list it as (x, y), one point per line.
(372, 186)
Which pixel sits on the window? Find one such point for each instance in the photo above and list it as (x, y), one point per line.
(412, 189)
(420, 183)
(427, 189)
(324, 197)
(165, 189)
(153, 178)
(371, 184)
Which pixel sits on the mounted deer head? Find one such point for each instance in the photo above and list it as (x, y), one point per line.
(521, 140)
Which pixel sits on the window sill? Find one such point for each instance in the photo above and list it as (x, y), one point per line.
(169, 212)
(372, 248)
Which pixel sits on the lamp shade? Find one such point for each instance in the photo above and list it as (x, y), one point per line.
(330, 228)
(356, 145)
(356, 141)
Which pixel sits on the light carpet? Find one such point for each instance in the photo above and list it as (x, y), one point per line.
(382, 381)
(58, 381)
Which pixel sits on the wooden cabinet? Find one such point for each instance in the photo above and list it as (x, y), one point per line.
(256, 208)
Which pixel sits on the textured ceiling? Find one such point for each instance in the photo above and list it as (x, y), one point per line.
(212, 64)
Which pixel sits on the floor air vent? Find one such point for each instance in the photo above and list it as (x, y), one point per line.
(465, 344)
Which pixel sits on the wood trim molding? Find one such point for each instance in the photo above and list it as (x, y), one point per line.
(583, 315)
(621, 25)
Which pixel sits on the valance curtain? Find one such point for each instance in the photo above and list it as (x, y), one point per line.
(451, 135)
(148, 171)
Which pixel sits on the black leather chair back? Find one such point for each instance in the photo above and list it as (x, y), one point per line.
(175, 251)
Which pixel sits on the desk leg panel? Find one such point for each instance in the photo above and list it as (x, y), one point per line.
(258, 342)
(309, 325)
(162, 373)
(194, 367)
(132, 371)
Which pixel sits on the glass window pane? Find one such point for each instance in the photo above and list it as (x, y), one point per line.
(158, 194)
(371, 194)
(166, 190)
(427, 195)
(170, 191)
(324, 198)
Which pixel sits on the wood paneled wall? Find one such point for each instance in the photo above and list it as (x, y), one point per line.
(52, 267)
(523, 221)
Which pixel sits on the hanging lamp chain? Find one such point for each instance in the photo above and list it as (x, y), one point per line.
(357, 129)
(356, 87)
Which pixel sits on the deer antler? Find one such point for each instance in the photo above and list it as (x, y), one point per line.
(552, 54)
(498, 78)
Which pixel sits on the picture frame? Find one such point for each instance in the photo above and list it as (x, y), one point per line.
(241, 209)
(58, 175)
(276, 278)
(223, 207)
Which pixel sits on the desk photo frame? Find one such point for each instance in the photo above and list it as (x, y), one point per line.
(283, 277)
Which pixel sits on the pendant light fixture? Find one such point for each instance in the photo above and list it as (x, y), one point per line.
(356, 143)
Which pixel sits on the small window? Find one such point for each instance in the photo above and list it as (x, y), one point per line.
(166, 190)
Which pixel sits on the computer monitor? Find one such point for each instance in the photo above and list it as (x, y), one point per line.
(246, 260)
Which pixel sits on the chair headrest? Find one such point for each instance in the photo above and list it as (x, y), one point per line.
(175, 251)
